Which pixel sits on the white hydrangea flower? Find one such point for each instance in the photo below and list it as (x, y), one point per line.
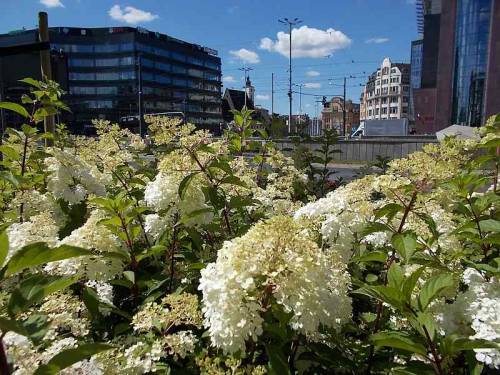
(180, 344)
(275, 259)
(142, 358)
(40, 228)
(163, 194)
(155, 225)
(343, 213)
(103, 290)
(94, 237)
(476, 311)
(71, 179)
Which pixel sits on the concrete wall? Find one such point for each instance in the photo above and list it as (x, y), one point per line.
(366, 150)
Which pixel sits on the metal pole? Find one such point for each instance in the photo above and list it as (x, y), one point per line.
(272, 95)
(46, 69)
(290, 23)
(139, 93)
(343, 109)
(290, 83)
(300, 99)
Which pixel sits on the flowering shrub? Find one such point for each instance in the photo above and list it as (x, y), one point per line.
(219, 256)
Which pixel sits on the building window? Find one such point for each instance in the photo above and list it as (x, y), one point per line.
(81, 62)
(107, 62)
(75, 76)
(394, 99)
(394, 89)
(107, 48)
(128, 60)
(111, 90)
(394, 110)
(178, 69)
(384, 110)
(179, 82)
(163, 66)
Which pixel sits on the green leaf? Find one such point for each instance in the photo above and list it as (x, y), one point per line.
(398, 340)
(433, 288)
(405, 244)
(91, 301)
(372, 256)
(39, 253)
(68, 357)
(385, 294)
(490, 225)
(395, 276)
(19, 109)
(185, 184)
(233, 180)
(371, 278)
(410, 282)
(32, 82)
(9, 152)
(388, 210)
(463, 343)
(129, 275)
(34, 289)
(278, 365)
(373, 228)
(4, 247)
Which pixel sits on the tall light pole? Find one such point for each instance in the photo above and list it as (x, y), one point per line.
(290, 24)
(245, 70)
(139, 94)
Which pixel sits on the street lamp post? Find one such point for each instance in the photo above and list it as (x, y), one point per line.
(290, 24)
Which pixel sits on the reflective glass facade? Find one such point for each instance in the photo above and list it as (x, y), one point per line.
(417, 48)
(471, 56)
(103, 75)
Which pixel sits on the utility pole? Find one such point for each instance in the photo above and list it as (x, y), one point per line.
(272, 95)
(290, 24)
(344, 109)
(139, 92)
(245, 70)
(46, 69)
(300, 98)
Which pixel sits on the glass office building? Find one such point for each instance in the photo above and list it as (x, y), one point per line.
(105, 65)
(473, 22)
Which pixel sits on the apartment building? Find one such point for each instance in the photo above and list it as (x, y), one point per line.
(387, 93)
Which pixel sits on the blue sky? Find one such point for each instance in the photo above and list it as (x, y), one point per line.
(357, 34)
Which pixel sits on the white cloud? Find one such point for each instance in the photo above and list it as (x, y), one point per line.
(52, 3)
(246, 56)
(377, 40)
(312, 85)
(228, 79)
(262, 97)
(312, 73)
(131, 15)
(307, 42)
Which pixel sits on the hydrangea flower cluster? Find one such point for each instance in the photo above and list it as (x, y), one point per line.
(71, 179)
(475, 311)
(162, 194)
(277, 260)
